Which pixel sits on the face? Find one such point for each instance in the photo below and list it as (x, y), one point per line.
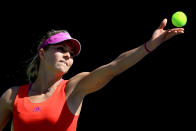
(58, 58)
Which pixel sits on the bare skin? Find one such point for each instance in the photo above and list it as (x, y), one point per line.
(55, 62)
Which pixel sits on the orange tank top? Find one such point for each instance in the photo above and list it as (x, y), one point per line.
(52, 114)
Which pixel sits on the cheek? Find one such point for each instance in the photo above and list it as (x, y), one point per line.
(50, 59)
(53, 59)
(71, 62)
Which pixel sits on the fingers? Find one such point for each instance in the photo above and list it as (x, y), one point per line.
(176, 30)
(163, 24)
(173, 32)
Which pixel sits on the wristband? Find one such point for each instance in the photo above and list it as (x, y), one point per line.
(149, 51)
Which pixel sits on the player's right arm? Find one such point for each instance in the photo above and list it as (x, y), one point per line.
(6, 105)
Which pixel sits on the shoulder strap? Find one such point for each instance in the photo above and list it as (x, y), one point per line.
(22, 92)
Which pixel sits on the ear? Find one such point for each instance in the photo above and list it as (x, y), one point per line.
(41, 52)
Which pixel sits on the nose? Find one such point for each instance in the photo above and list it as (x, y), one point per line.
(67, 55)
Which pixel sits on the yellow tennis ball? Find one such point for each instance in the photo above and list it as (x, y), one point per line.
(179, 19)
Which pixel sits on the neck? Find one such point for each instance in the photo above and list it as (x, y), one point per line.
(46, 80)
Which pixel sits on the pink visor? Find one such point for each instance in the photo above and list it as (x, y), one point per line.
(60, 37)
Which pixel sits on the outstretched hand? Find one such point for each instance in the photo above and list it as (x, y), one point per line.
(160, 35)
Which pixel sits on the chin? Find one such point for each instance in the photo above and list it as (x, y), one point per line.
(63, 70)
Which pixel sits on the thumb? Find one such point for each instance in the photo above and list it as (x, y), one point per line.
(163, 24)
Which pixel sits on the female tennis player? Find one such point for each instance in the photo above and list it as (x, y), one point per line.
(50, 103)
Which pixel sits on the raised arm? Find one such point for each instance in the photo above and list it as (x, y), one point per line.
(131, 57)
(89, 82)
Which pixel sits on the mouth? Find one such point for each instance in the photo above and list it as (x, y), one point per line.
(64, 62)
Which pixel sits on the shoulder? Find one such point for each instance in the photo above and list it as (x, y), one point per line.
(73, 82)
(8, 96)
(78, 77)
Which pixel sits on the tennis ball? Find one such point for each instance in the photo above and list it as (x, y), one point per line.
(179, 19)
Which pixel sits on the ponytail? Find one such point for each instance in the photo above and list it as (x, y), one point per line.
(33, 69)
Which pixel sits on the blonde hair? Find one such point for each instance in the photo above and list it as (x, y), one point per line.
(33, 67)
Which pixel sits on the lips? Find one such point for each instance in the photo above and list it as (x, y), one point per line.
(64, 62)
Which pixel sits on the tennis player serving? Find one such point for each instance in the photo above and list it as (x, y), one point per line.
(50, 103)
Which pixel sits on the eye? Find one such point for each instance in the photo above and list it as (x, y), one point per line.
(61, 49)
(72, 54)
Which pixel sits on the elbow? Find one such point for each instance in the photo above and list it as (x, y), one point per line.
(116, 68)
(113, 69)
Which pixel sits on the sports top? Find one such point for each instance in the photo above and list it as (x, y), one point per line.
(52, 114)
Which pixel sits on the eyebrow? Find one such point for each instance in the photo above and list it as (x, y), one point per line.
(70, 49)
